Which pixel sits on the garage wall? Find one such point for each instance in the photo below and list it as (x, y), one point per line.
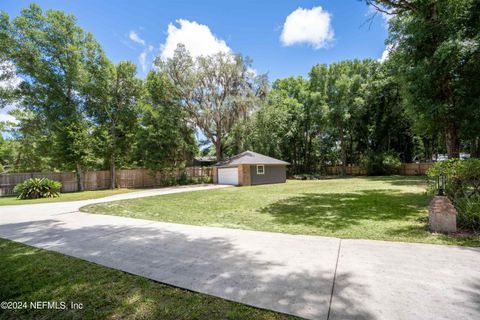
(273, 174)
(244, 175)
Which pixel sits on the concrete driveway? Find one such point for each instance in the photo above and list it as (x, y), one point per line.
(307, 276)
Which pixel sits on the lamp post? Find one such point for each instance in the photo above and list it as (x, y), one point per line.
(441, 183)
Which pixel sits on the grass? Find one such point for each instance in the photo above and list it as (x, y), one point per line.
(70, 196)
(380, 208)
(31, 274)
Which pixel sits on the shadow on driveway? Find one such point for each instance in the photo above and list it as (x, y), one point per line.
(264, 272)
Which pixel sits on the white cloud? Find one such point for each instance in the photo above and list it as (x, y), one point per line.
(7, 117)
(12, 80)
(311, 26)
(143, 60)
(147, 49)
(136, 38)
(252, 71)
(386, 53)
(4, 113)
(197, 38)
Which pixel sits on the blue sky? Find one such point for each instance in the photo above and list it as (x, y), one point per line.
(252, 28)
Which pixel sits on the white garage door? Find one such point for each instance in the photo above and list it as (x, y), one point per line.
(228, 176)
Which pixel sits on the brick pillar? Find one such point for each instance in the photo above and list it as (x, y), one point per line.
(215, 175)
(244, 175)
(442, 215)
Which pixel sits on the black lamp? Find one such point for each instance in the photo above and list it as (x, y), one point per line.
(441, 183)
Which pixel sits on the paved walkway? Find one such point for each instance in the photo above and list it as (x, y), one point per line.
(307, 276)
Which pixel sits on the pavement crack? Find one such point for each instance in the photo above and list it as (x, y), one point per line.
(60, 213)
(334, 279)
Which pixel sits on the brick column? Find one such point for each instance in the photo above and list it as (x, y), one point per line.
(442, 215)
(215, 175)
(244, 175)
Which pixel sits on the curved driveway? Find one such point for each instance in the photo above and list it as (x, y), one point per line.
(308, 276)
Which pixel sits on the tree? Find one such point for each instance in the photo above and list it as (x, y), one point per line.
(112, 97)
(289, 125)
(435, 47)
(7, 69)
(164, 140)
(341, 86)
(31, 144)
(217, 91)
(50, 52)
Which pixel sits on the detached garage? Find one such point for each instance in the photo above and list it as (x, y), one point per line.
(250, 168)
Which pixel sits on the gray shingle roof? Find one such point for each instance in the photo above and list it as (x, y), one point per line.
(249, 157)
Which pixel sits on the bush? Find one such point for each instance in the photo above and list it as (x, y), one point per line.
(469, 213)
(463, 177)
(380, 163)
(35, 188)
(183, 179)
(207, 179)
(462, 187)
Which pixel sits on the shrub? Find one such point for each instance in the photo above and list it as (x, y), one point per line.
(462, 187)
(35, 188)
(207, 179)
(183, 179)
(463, 177)
(469, 213)
(380, 163)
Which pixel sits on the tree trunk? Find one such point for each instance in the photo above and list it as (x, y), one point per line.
(113, 173)
(218, 149)
(475, 148)
(451, 138)
(79, 173)
(343, 153)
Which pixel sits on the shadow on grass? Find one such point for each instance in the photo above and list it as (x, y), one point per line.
(341, 211)
(400, 180)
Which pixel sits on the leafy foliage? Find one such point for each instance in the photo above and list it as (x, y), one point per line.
(348, 112)
(51, 54)
(35, 188)
(463, 176)
(380, 163)
(78, 110)
(164, 138)
(435, 48)
(217, 91)
(113, 94)
(462, 187)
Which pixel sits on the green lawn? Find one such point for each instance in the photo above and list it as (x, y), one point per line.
(31, 274)
(382, 208)
(71, 196)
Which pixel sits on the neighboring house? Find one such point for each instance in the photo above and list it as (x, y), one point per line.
(250, 168)
(203, 161)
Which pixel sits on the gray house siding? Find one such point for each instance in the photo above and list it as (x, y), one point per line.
(273, 174)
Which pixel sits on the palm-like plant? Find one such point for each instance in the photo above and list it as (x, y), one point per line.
(35, 188)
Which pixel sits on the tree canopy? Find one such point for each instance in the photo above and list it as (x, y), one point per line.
(76, 110)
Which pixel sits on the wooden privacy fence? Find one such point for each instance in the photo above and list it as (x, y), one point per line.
(406, 169)
(97, 180)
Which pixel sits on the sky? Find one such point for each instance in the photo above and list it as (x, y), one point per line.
(283, 38)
